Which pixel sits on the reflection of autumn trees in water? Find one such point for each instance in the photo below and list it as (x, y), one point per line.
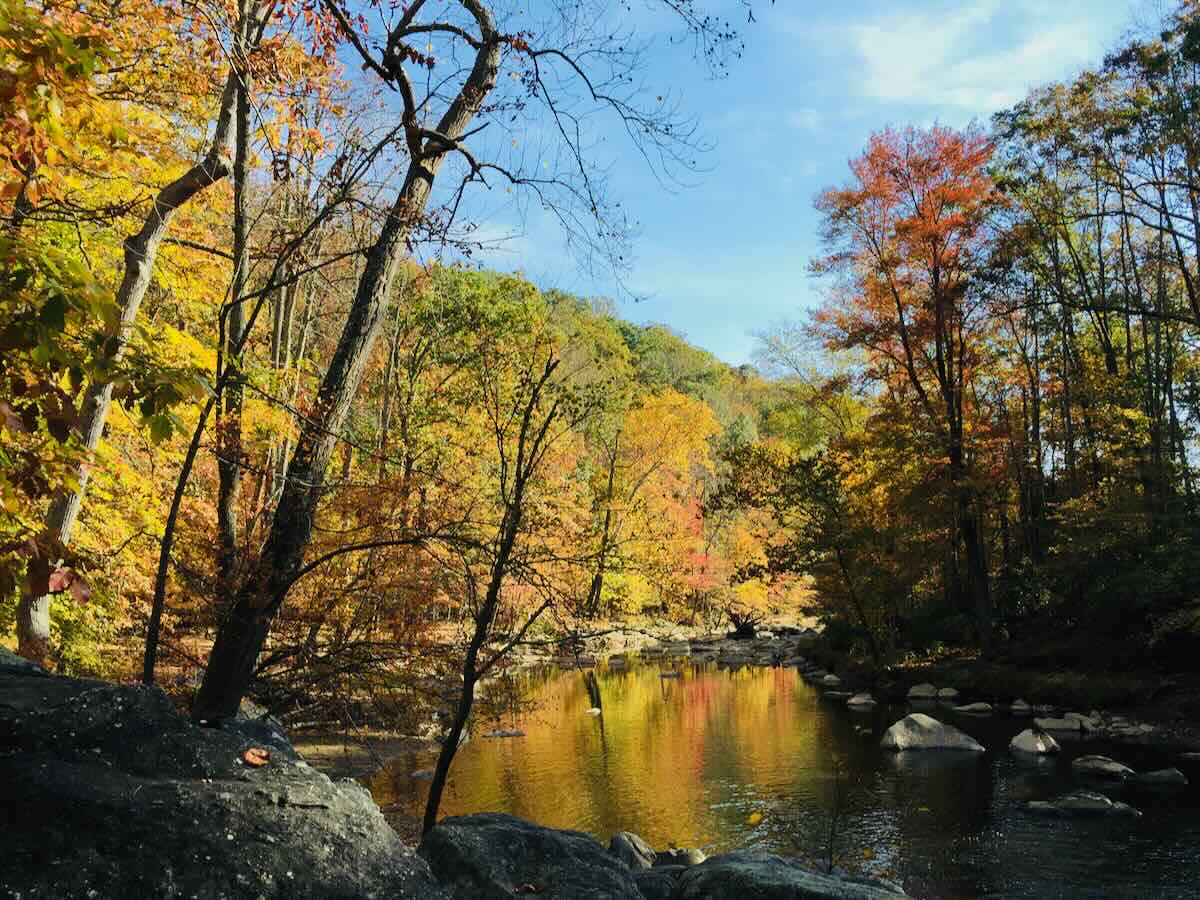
(678, 760)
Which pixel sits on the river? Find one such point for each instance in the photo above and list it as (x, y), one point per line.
(754, 757)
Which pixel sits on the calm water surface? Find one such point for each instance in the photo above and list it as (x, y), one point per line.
(756, 758)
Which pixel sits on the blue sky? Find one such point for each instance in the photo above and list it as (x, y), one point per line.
(727, 257)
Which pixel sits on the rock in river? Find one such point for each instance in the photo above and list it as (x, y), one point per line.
(861, 701)
(922, 692)
(1163, 778)
(947, 695)
(1030, 742)
(492, 856)
(679, 856)
(749, 875)
(918, 731)
(975, 709)
(1082, 804)
(1101, 767)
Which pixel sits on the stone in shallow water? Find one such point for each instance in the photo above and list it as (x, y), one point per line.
(1082, 804)
(1052, 724)
(1094, 766)
(924, 691)
(1029, 742)
(831, 681)
(947, 694)
(1163, 778)
(975, 709)
(861, 701)
(1020, 708)
(921, 732)
(681, 856)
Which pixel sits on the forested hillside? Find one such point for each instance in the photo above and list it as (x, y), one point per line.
(263, 420)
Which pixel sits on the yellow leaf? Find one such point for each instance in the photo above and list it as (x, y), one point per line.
(755, 818)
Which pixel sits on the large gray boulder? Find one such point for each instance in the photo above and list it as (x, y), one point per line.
(658, 883)
(107, 792)
(492, 856)
(749, 875)
(918, 731)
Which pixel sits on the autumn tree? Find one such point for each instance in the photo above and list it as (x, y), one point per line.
(908, 236)
(555, 66)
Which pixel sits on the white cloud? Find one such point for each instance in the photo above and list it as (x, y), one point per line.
(970, 59)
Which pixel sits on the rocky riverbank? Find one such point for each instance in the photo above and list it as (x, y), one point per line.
(108, 793)
(1145, 708)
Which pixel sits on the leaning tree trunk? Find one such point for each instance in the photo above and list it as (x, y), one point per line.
(247, 621)
(141, 251)
(229, 413)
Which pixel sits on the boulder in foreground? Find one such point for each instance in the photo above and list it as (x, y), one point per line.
(108, 793)
(749, 875)
(918, 731)
(494, 856)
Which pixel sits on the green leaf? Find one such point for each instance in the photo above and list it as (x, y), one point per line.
(54, 313)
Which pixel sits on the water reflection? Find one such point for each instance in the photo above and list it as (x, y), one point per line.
(722, 759)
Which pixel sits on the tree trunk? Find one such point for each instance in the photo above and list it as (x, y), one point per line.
(247, 623)
(229, 413)
(141, 251)
(597, 586)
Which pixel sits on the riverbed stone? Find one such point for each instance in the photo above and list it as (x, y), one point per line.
(1029, 741)
(947, 695)
(831, 681)
(975, 709)
(492, 856)
(1095, 766)
(750, 875)
(861, 701)
(1020, 708)
(1047, 723)
(1163, 778)
(924, 691)
(918, 731)
(630, 849)
(1082, 804)
(679, 856)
